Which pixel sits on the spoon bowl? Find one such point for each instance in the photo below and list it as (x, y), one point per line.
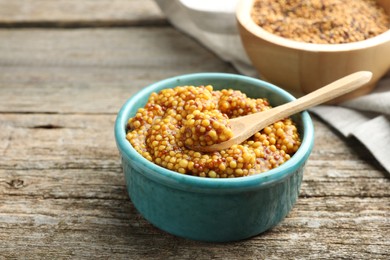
(246, 126)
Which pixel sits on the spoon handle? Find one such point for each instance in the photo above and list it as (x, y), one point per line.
(319, 96)
(333, 90)
(245, 126)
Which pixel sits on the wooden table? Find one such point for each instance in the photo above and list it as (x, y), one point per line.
(66, 67)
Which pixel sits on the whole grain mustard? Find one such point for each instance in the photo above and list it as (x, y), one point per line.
(320, 21)
(179, 117)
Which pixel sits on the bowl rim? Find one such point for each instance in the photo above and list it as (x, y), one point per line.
(174, 178)
(244, 19)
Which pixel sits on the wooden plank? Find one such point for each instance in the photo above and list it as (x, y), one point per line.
(36, 145)
(84, 13)
(92, 71)
(33, 141)
(352, 228)
(62, 210)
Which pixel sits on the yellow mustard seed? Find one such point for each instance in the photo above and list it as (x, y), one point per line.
(183, 163)
(233, 164)
(212, 174)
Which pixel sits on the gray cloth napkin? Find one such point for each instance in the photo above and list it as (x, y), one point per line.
(213, 23)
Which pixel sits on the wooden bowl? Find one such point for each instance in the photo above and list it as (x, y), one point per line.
(303, 67)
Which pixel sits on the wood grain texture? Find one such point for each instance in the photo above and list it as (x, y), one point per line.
(62, 190)
(98, 69)
(85, 13)
(63, 194)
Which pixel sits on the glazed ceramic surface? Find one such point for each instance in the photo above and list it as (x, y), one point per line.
(208, 209)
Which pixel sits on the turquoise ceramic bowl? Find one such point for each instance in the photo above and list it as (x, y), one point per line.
(205, 209)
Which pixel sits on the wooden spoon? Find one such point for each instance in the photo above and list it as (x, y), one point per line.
(246, 126)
